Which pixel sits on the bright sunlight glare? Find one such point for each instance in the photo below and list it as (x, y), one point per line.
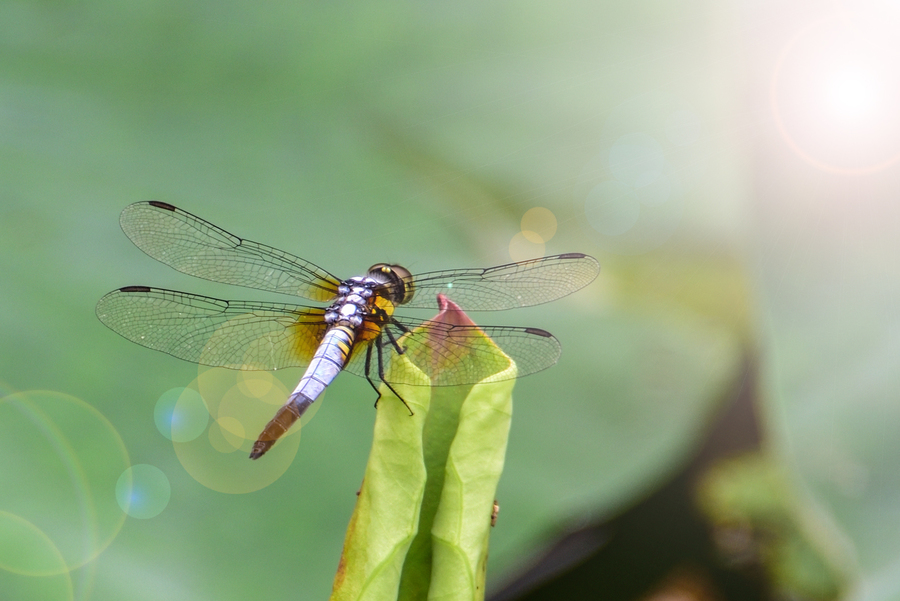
(852, 93)
(833, 94)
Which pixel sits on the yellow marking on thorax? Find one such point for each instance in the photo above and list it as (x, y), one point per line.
(383, 303)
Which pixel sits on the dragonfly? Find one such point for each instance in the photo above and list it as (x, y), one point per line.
(356, 331)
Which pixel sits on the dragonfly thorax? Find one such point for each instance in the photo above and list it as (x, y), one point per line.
(355, 297)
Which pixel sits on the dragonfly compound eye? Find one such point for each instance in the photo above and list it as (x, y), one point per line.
(396, 279)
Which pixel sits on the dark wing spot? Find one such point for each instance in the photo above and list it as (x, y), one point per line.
(539, 332)
(161, 205)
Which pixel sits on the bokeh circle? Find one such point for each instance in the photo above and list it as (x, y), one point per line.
(180, 414)
(240, 404)
(68, 457)
(143, 491)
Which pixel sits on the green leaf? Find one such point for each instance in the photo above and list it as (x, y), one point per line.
(753, 505)
(386, 517)
(422, 522)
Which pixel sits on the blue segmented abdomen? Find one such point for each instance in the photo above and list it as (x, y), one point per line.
(326, 364)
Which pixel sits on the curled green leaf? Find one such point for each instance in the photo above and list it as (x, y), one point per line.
(422, 522)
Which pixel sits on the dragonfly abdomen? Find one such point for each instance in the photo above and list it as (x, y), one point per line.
(326, 364)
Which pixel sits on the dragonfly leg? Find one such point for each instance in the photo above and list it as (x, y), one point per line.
(393, 340)
(400, 326)
(369, 371)
(381, 371)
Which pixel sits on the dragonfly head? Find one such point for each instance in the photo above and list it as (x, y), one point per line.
(397, 281)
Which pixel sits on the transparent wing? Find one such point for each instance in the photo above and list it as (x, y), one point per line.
(452, 355)
(509, 286)
(199, 248)
(209, 331)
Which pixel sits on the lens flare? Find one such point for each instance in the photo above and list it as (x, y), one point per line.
(240, 404)
(833, 95)
(26, 550)
(539, 222)
(526, 245)
(31, 566)
(612, 208)
(632, 190)
(180, 414)
(143, 491)
(636, 159)
(852, 92)
(67, 456)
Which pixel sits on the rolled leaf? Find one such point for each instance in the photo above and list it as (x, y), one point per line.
(422, 522)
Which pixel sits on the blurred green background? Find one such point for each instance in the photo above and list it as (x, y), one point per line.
(733, 166)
